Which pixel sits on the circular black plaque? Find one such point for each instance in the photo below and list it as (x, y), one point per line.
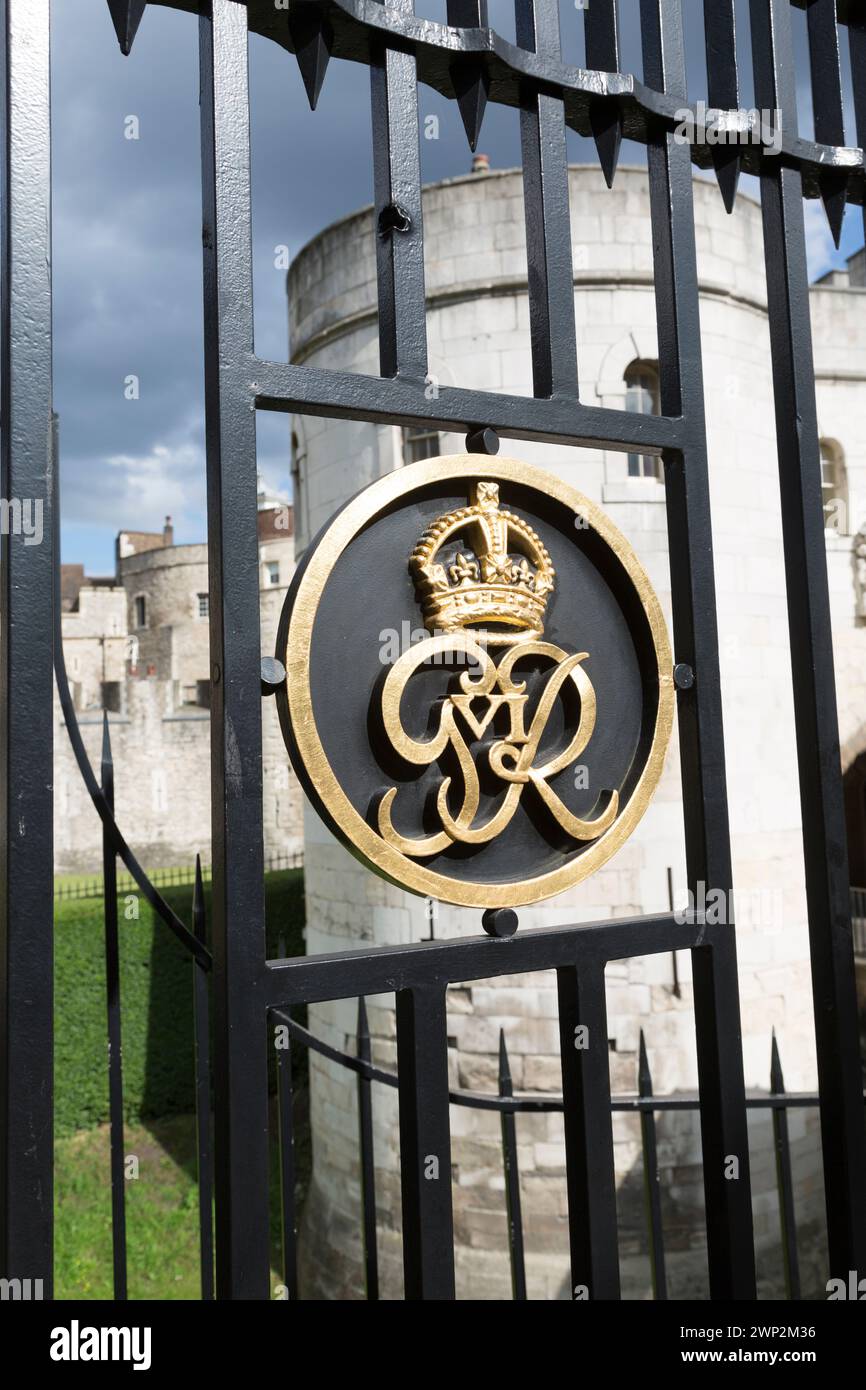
(479, 692)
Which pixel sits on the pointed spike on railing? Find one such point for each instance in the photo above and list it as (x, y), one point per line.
(607, 133)
(468, 77)
(827, 103)
(313, 39)
(471, 85)
(777, 1080)
(126, 17)
(107, 759)
(506, 1085)
(834, 196)
(198, 912)
(601, 33)
(720, 44)
(644, 1075)
(726, 164)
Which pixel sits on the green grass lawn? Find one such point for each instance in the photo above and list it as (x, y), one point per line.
(156, 998)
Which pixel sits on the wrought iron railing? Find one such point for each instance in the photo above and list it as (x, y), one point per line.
(466, 61)
(643, 1102)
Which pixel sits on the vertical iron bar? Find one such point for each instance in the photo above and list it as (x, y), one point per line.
(723, 88)
(784, 1179)
(827, 103)
(115, 1046)
(589, 1158)
(511, 1171)
(397, 194)
(601, 34)
(548, 220)
(652, 1190)
(677, 991)
(425, 1143)
(857, 51)
(285, 1100)
(240, 1048)
(204, 1151)
(708, 856)
(26, 683)
(368, 1165)
(469, 77)
(815, 712)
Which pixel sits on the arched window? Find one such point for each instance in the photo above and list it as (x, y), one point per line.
(834, 487)
(642, 398)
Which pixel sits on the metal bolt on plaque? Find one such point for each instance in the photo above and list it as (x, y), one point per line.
(455, 646)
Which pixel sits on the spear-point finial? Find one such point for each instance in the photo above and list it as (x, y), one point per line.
(607, 133)
(107, 759)
(644, 1075)
(471, 86)
(506, 1087)
(469, 77)
(726, 163)
(198, 916)
(363, 1046)
(777, 1080)
(834, 195)
(126, 16)
(313, 39)
(107, 769)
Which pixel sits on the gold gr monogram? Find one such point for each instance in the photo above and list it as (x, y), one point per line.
(506, 580)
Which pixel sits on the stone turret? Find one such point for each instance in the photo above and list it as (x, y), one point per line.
(478, 336)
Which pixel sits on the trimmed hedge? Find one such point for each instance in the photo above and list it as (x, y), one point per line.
(156, 1003)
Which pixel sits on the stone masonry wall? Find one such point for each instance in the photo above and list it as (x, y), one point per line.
(478, 329)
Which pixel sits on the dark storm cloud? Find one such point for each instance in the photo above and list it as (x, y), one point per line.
(127, 239)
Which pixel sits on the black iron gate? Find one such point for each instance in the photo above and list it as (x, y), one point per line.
(468, 62)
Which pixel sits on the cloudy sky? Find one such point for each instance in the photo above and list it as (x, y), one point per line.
(127, 240)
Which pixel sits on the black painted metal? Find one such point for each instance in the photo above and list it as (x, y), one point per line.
(467, 62)
(26, 714)
(511, 1170)
(651, 1176)
(601, 33)
(548, 224)
(368, 1165)
(286, 1126)
(397, 196)
(589, 1163)
(815, 711)
(115, 1053)
(204, 1147)
(237, 923)
(708, 858)
(425, 1143)
(784, 1177)
(644, 1104)
(723, 88)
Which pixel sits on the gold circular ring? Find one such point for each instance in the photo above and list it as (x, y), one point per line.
(293, 648)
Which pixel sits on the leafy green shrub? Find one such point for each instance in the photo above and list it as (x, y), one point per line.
(156, 1003)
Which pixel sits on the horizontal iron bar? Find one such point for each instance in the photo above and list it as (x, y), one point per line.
(384, 969)
(284, 386)
(359, 26)
(540, 1103)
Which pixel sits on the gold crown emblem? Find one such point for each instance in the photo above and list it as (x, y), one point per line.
(506, 579)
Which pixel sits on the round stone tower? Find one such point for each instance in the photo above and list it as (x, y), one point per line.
(478, 336)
